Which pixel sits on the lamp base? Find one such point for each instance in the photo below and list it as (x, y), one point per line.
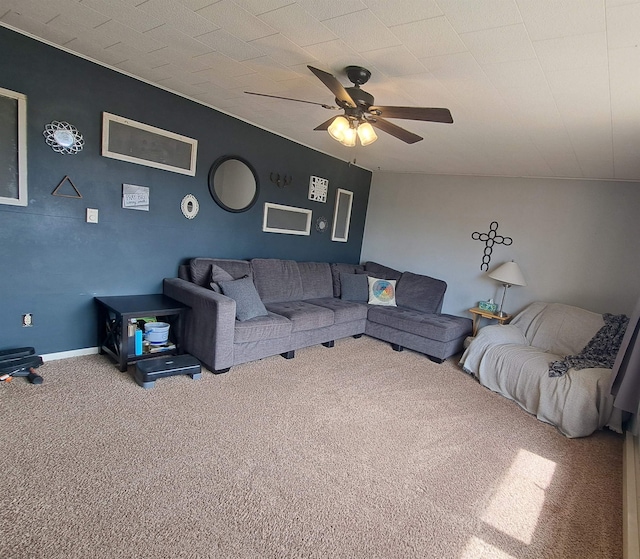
(502, 314)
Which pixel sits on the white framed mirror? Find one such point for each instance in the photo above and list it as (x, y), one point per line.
(286, 219)
(13, 148)
(342, 216)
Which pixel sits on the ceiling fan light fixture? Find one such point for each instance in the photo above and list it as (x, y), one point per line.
(367, 134)
(338, 128)
(359, 105)
(349, 137)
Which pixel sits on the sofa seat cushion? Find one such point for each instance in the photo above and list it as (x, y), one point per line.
(303, 315)
(439, 327)
(343, 311)
(260, 328)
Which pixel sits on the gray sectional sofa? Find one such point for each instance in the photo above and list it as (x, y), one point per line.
(286, 305)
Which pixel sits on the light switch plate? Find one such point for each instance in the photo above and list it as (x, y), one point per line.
(92, 215)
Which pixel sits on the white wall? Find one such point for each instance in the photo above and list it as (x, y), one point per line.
(576, 241)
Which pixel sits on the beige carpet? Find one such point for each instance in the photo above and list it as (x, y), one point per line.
(351, 452)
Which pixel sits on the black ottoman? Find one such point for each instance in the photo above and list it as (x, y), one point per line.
(149, 370)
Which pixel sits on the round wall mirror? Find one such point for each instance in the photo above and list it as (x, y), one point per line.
(233, 183)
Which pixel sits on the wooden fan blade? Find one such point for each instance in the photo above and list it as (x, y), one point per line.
(390, 128)
(291, 99)
(414, 113)
(334, 85)
(325, 124)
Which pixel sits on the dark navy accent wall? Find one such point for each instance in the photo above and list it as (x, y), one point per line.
(54, 263)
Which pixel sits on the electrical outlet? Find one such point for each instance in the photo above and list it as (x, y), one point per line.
(92, 215)
(27, 320)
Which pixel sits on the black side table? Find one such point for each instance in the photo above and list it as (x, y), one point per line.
(114, 314)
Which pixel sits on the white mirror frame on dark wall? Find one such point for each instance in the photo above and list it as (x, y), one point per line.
(342, 216)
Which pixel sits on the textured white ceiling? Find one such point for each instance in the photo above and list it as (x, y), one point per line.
(547, 88)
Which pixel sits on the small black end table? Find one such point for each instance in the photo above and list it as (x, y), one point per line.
(114, 314)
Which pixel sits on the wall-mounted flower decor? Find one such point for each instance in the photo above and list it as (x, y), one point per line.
(63, 137)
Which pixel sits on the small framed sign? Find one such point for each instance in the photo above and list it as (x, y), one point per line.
(135, 197)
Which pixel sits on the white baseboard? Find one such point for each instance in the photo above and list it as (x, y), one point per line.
(67, 354)
(630, 496)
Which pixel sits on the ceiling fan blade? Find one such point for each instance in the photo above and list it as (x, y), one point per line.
(325, 124)
(414, 113)
(390, 128)
(291, 99)
(334, 85)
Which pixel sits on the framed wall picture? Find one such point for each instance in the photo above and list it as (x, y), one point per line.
(286, 219)
(342, 216)
(135, 142)
(13, 148)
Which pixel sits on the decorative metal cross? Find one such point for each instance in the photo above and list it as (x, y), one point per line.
(491, 238)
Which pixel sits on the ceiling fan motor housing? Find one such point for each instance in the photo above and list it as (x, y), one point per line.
(358, 75)
(361, 98)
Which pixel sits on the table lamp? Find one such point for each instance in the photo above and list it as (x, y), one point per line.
(508, 274)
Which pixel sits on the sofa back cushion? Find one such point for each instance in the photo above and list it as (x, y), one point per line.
(420, 293)
(200, 269)
(277, 280)
(184, 272)
(316, 280)
(381, 271)
(558, 328)
(337, 269)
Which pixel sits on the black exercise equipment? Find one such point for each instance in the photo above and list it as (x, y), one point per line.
(20, 362)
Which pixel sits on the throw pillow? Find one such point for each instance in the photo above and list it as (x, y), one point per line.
(218, 275)
(382, 292)
(244, 293)
(354, 287)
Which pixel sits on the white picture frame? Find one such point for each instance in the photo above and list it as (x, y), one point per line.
(342, 216)
(13, 148)
(286, 219)
(135, 142)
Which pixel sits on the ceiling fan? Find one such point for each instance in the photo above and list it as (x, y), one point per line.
(361, 115)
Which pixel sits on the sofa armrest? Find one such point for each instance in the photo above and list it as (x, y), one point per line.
(488, 337)
(209, 323)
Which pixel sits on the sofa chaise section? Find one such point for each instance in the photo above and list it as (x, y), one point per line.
(416, 322)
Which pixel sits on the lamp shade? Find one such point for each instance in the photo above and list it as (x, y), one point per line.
(509, 274)
(338, 127)
(367, 134)
(349, 136)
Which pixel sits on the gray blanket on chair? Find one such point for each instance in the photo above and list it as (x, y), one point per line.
(601, 351)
